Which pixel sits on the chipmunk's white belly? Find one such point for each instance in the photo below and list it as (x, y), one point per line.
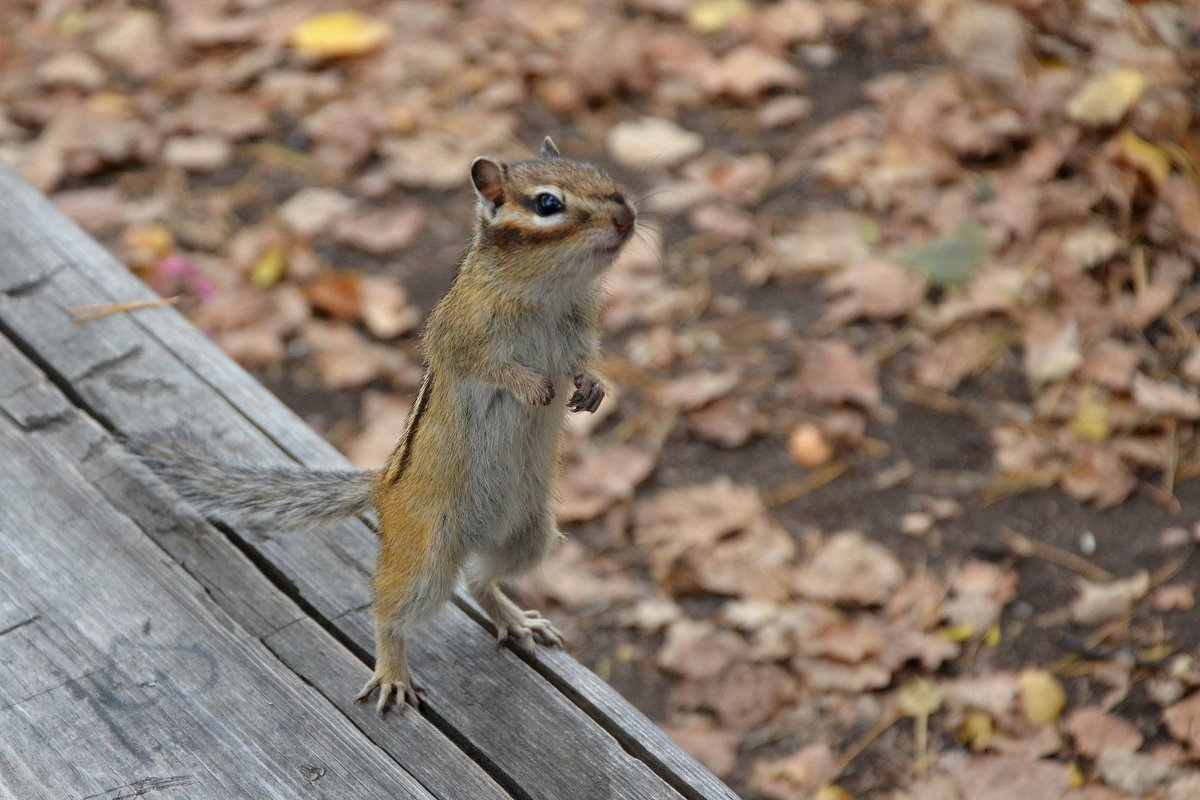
(510, 453)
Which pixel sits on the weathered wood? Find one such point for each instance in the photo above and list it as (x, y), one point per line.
(152, 371)
(114, 682)
(229, 578)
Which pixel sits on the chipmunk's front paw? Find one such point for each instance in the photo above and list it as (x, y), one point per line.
(588, 394)
(391, 693)
(535, 390)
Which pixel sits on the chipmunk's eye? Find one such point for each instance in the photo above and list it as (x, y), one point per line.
(548, 205)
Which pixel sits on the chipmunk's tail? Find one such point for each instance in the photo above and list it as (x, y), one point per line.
(234, 493)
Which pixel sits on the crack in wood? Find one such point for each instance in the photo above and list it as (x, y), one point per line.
(28, 287)
(20, 625)
(143, 787)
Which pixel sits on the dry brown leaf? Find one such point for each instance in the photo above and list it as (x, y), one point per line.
(978, 594)
(1096, 730)
(1008, 778)
(1099, 603)
(384, 307)
(872, 289)
(796, 775)
(1183, 720)
(746, 72)
(729, 422)
(851, 569)
(832, 373)
(382, 230)
(601, 478)
(1160, 397)
(711, 746)
(652, 141)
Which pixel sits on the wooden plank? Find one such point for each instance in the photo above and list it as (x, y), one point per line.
(145, 683)
(138, 373)
(229, 578)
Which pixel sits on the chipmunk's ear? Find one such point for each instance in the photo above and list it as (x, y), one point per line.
(549, 148)
(488, 178)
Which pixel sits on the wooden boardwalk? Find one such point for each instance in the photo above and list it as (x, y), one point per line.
(145, 652)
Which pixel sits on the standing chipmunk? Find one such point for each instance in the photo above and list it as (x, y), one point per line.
(469, 486)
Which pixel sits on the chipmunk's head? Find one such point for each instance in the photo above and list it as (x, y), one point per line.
(551, 214)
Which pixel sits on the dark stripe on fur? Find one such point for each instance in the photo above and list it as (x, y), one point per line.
(410, 436)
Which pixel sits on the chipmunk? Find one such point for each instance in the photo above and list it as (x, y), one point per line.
(469, 487)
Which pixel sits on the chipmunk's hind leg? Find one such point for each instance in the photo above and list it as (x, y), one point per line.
(522, 551)
(414, 578)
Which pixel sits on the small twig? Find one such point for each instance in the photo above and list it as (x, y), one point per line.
(790, 492)
(101, 310)
(1025, 547)
(860, 746)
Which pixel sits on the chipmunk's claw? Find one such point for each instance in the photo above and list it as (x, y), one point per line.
(588, 394)
(524, 634)
(391, 694)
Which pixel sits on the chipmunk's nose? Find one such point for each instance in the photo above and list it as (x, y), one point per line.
(624, 216)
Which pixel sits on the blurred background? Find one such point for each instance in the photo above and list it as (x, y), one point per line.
(893, 494)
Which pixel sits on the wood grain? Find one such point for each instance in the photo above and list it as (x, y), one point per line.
(126, 677)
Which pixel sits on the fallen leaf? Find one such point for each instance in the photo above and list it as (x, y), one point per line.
(1052, 351)
(873, 289)
(1010, 778)
(1106, 98)
(384, 307)
(832, 373)
(652, 141)
(1160, 397)
(1099, 603)
(383, 230)
(339, 34)
(314, 209)
(1183, 720)
(796, 775)
(952, 259)
(1096, 730)
(1135, 773)
(851, 569)
(714, 16)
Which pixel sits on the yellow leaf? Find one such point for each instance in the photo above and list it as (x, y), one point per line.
(1091, 418)
(339, 34)
(957, 633)
(148, 244)
(1042, 696)
(992, 637)
(269, 268)
(1103, 100)
(1144, 156)
(831, 792)
(714, 16)
(1074, 775)
(921, 697)
(978, 729)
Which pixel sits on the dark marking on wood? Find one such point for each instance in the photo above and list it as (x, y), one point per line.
(32, 285)
(47, 422)
(118, 731)
(143, 787)
(141, 386)
(20, 624)
(101, 367)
